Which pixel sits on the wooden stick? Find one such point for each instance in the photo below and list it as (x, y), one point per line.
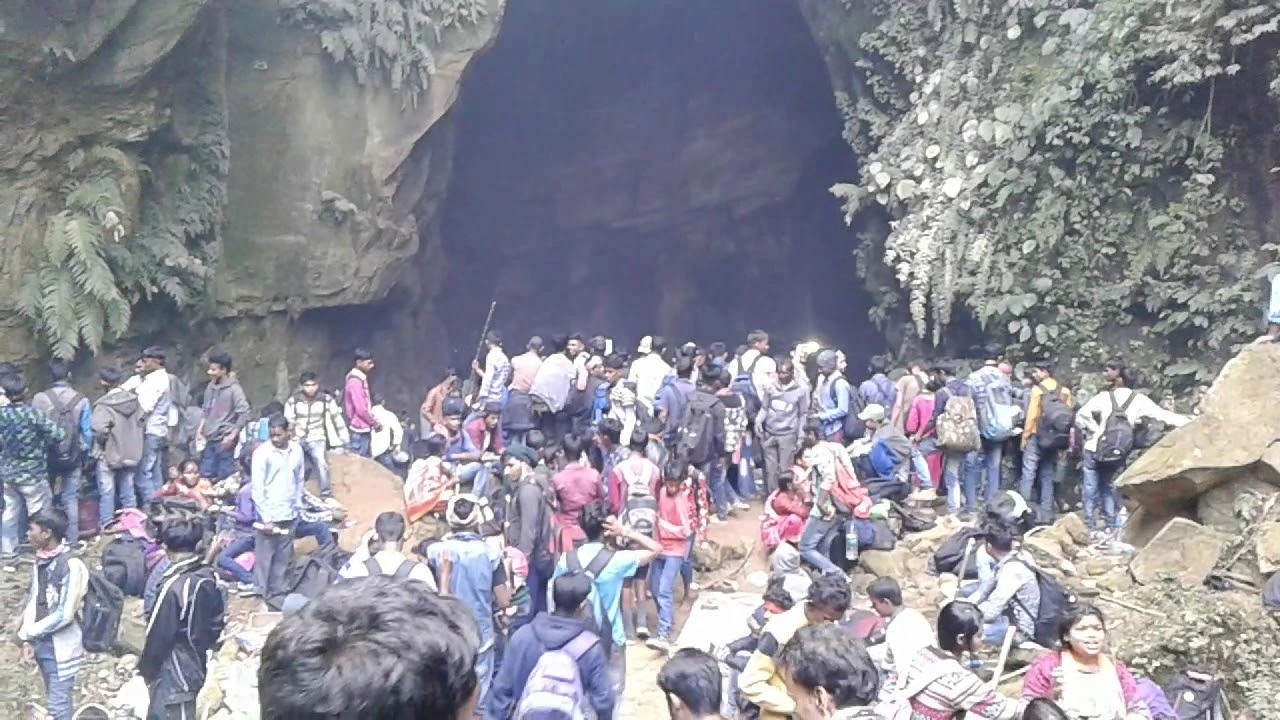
(1005, 647)
(1130, 606)
(964, 567)
(1011, 675)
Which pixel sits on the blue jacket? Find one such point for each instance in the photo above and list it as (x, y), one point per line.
(547, 632)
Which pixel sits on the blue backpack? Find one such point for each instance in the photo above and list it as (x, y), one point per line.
(746, 388)
(999, 414)
(600, 404)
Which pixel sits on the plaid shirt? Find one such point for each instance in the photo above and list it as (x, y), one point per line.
(25, 438)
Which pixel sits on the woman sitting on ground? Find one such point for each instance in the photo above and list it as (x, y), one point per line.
(938, 686)
(1081, 677)
(785, 512)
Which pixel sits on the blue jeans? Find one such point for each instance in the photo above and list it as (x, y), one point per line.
(484, 679)
(361, 444)
(318, 530)
(215, 463)
(59, 691)
(918, 462)
(114, 486)
(315, 452)
(987, 459)
(69, 499)
(150, 473)
(747, 488)
(1042, 465)
(815, 542)
(1099, 489)
(227, 559)
(475, 474)
(952, 464)
(722, 494)
(662, 583)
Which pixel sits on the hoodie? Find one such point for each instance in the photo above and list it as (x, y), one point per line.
(185, 624)
(785, 563)
(117, 423)
(783, 409)
(545, 633)
(226, 409)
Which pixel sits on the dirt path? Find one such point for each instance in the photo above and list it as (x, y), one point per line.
(642, 700)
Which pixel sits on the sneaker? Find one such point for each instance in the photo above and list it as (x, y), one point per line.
(741, 506)
(719, 652)
(332, 503)
(924, 495)
(659, 644)
(719, 521)
(642, 633)
(246, 590)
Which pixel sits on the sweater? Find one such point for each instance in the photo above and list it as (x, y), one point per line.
(783, 409)
(1038, 683)
(760, 682)
(116, 421)
(317, 420)
(185, 623)
(1035, 400)
(544, 634)
(356, 402)
(226, 409)
(58, 587)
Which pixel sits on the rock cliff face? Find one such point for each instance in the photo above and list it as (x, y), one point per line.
(682, 156)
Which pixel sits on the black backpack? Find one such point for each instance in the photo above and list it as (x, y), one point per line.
(1053, 431)
(1116, 440)
(697, 429)
(100, 613)
(853, 427)
(1196, 695)
(950, 553)
(402, 571)
(746, 387)
(601, 626)
(124, 564)
(1054, 601)
(310, 574)
(68, 454)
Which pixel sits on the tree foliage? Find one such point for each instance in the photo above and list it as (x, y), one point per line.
(1061, 169)
(394, 39)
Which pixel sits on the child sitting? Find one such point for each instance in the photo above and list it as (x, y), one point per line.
(776, 600)
(429, 484)
(187, 483)
(785, 511)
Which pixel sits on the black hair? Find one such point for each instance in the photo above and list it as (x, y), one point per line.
(999, 536)
(389, 526)
(181, 534)
(361, 354)
(611, 429)
(432, 445)
(534, 344)
(717, 349)
(878, 364)
(639, 440)
(934, 384)
(535, 440)
(657, 343)
(59, 370)
(221, 359)
(110, 375)
(958, 623)
(493, 408)
(992, 351)
(375, 399)
(52, 519)
(830, 592)
(559, 342)
(675, 469)
(463, 508)
(887, 589)
(591, 519)
(1045, 365)
(1073, 615)
(827, 656)
(275, 407)
(306, 377)
(277, 422)
(375, 647)
(776, 593)
(572, 446)
(813, 426)
(785, 479)
(154, 352)
(693, 676)
(569, 592)
(615, 361)
(1044, 709)
(755, 336)
(493, 337)
(786, 365)
(597, 345)
(684, 367)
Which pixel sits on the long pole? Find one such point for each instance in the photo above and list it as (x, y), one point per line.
(480, 350)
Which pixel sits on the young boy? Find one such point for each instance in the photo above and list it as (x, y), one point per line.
(50, 633)
(187, 619)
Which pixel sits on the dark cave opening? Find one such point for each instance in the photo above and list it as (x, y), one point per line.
(650, 166)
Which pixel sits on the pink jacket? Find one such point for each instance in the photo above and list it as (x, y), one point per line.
(355, 402)
(1038, 682)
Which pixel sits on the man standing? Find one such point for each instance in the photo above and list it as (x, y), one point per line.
(117, 429)
(495, 373)
(675, 533)
(905, 392)
(226, 411)
(524, 367)
(550, 391)
(278, 471)
(185, 623)
(70, 411)
(649, 370)
(673, 399)
(26, 437)
(155, 401)
(784, 405)
(833, 395)
(992, 394)
(50, 631)
(1046, 432)
(358, 404)
(528, 521)
(318, 425)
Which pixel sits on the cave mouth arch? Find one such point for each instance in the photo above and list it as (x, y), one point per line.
(639, 167)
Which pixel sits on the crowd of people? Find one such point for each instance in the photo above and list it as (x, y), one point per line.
(575, 482)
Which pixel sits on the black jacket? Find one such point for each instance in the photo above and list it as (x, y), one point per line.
(186, 622)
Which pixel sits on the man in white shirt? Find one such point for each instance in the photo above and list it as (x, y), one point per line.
(649, 370)
(155, 403)
(756, 361)
(906, 633)
(1091, 418)
(382, 555)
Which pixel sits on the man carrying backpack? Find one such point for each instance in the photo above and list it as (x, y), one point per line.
(26, 437)
(955, 424)
(878, 389)
(50, 631)
(632, 497)
(997, 412)
(72, 412)
(1107, 421)
(185, 623)
(556, 664)
(672, 403)
(1012, 594)
(116, 422)
(836, 400)
(1046, 433)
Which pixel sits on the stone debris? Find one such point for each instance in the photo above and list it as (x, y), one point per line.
(1184, 550)
(365, 489)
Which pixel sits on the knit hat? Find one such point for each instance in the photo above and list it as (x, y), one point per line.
(523, 453)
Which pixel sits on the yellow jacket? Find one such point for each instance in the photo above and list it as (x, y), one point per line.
(759, 681)
(1033, 405)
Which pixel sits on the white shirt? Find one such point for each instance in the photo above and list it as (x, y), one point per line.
(389, 561)
(154, 401)
(1092, 416)
(648, 373)
(389, 437)
(907, 633)
(764, 372)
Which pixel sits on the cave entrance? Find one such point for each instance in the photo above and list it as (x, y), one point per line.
(650, 166)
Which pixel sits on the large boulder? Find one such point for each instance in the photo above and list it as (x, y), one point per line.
(1183, 550)
(1238, 423)
(366, 489)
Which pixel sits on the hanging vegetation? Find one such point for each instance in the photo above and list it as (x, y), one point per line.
(1063, 170)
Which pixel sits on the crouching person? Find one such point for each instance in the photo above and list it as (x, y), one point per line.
(185, 624)
(829, 675)
(50, 633)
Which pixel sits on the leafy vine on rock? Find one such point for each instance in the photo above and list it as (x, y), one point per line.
(396, 39)
(1063, 170)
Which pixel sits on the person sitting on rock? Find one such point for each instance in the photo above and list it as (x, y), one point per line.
(1082, 678)
(776, 600)
(907, 631)
(937, 684)
(829, 674)
(785, 512)
(1012, 594)
(884, 456)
